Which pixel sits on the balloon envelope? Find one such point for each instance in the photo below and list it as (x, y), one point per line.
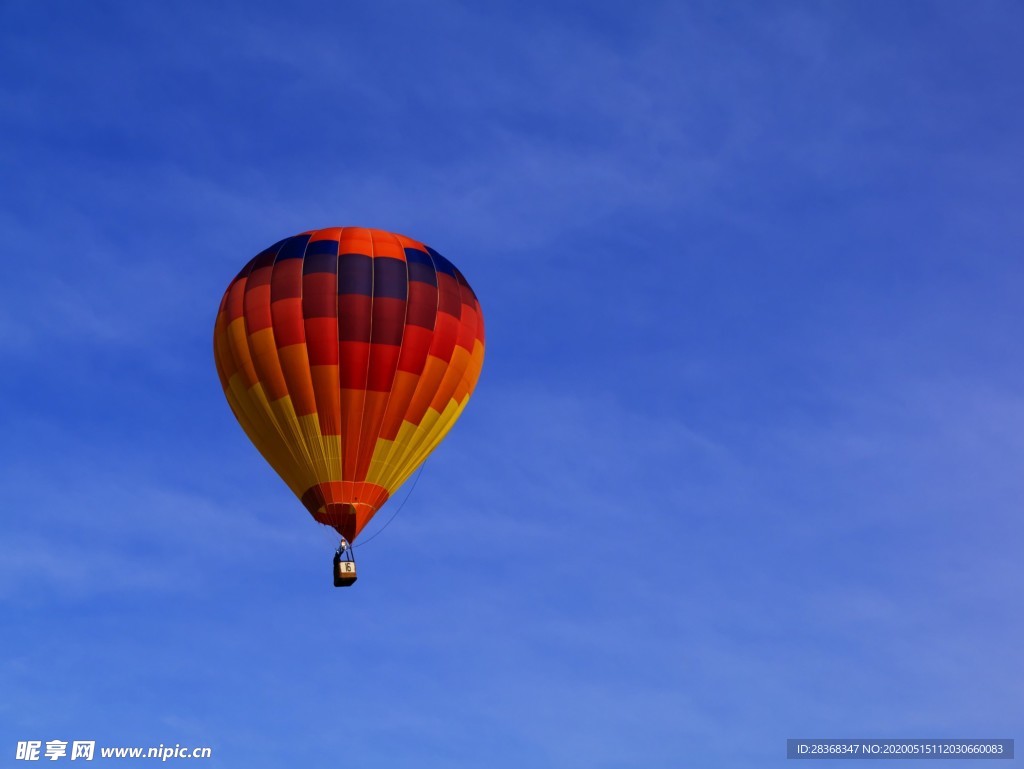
(347, 354)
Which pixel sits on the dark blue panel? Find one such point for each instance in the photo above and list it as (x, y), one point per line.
(421, 266)
(320, 262)
(419, 257)
(441, 264)
(355, 274)
(322, 247)
(389, 278)
(294, 247)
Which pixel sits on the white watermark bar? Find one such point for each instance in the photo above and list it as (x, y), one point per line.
(86, 750)
(897, 749)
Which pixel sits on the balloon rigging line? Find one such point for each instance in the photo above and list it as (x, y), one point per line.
(411, 489)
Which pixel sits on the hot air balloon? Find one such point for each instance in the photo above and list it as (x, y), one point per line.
(347, 354)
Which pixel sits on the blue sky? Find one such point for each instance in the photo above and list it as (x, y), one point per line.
(745, 460)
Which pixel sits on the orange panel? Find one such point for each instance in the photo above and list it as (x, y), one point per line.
(351, 425)
(328, 407)
(295, 366)
(401, 395)
(426, 389)
(266, 363)
(373, 416)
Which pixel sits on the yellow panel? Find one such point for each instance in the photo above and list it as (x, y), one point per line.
(379, 464)
(324, 449)
(265, 437)
(407, 434)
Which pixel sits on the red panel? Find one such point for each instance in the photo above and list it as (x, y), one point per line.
(257, 308)
(260, 276)
(448, 299)
(444, 337)
(415, 347)
(354, 317)
(320, 295)
(345, 505)
(236, 299)
(388, 321)
(286, 282)
(422, 304)
(383, 363)
(288, 324)
(353, 358)
(467, 329)
(322, 341)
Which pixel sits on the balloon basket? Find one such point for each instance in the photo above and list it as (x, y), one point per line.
(344, 571)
